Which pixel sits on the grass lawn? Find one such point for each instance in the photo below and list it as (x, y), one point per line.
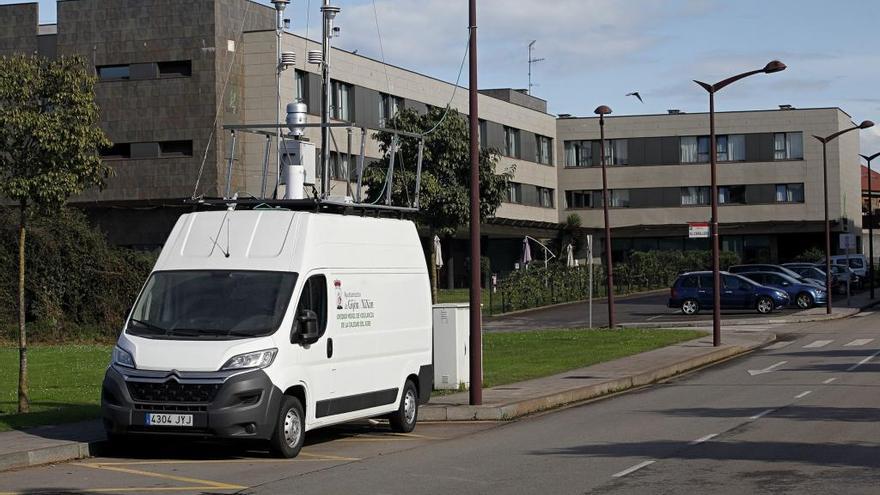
(514, 357)
(65, 384)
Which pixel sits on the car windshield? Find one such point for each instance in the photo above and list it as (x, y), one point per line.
(213, 304)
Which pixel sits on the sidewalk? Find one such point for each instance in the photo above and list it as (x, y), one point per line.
(45, 444)
(518, 399)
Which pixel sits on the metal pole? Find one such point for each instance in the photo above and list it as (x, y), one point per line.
(278, 29)
(870, 233)
(716, 261)
(609, 269)
(827, 228)
(348, 166)
(476, 337)
(328, 12)
(360, 164)
(265, 167)
(229, 168)
(389, 180)
(590, 291)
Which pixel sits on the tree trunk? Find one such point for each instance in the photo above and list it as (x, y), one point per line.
(23, 400)
(432, 270)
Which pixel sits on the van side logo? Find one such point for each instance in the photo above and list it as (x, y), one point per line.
(337, 284)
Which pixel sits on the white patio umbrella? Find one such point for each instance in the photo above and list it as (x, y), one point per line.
(438, 252)
(526, 253)
(569, 256)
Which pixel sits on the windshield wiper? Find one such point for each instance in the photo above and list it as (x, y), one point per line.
(148, 326)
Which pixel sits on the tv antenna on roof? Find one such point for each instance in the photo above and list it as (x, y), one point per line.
(532, 61)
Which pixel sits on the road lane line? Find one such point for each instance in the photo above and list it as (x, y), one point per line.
(779, 345)
(863, 361)
(655, 317)
(632, 469)
(705, 438)
(205, 483)
(859, 342)
(818, 343)
(761, 414)
(803, 394)
(863, 314)
(826, 382)
(768, 369)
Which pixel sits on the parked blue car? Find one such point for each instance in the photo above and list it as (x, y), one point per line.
(692, 292)
(804, 295)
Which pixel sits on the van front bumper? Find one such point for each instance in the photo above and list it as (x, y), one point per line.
(241, 405)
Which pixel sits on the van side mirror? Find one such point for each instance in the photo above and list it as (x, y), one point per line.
(305, 329)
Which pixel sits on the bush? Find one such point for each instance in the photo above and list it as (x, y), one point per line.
(75, 280)
(812, 255)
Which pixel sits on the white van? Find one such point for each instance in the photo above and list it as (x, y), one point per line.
(858, 263)
(265, 324)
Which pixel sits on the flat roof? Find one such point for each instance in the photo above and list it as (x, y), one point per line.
(573, 117)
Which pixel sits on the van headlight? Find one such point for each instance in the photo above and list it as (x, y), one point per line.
(122, 357)
(251, 360)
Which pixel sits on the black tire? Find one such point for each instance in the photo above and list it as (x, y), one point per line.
(804, 301)
(690, 307)
(404, 419)
(764, 305)
(287, 439)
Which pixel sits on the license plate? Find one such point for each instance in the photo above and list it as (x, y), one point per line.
(158, 419)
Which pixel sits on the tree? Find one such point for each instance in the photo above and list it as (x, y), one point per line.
(444, 200)
(50, 140)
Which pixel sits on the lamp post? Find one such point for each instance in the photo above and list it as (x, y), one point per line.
(475, 394)
(602, 111)
(870, 224)
(824, 140)
(771, 67)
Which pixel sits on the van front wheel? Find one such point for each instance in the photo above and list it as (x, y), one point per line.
(287, 440)
(404, 419)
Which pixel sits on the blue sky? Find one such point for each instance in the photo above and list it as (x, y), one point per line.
(596, 51)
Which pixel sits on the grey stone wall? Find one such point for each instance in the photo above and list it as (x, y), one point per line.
(18, 28)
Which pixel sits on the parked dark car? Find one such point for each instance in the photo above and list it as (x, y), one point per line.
(692, 292)
(805, 296)
(813, 273)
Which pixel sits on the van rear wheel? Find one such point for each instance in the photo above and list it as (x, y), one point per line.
(287, 440)
(404, 419)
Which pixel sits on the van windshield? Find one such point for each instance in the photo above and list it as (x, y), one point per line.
(211, 304)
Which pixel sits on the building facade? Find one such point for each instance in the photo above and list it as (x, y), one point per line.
(171, 74)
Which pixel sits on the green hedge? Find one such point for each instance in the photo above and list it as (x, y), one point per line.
(75, 282)
(539, 286)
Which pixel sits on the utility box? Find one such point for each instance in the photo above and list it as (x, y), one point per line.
(299, 152)
(451, 341)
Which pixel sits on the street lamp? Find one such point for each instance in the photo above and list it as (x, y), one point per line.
(602, 111)
(824, 140)
(870, 223)
(771, 67)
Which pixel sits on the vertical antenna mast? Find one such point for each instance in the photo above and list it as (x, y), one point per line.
(532, 61)
(280, 5)
(329, 12)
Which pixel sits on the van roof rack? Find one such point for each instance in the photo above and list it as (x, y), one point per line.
(316, 205)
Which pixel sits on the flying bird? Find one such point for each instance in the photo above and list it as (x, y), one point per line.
(637, 95)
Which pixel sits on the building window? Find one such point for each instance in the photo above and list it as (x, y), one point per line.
(113, 72)
(544, 155)
(484, 134)
(545, 197)
(731, 195)
(731, 148)
(339, 169)
(695, 196)
(341, 93)
(788, 146)
(615, 152)
(578, 199)
(511, 142)
(172, 149)
(694, 149)
(300, 85)
(578, 153)
(514, 193)
(119, 151)
(789, 193)
(620, 198)
(177, 68)
(389, 105)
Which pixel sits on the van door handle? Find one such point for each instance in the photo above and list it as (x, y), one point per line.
(329, 348)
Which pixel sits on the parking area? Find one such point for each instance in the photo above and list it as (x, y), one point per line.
(179, 466)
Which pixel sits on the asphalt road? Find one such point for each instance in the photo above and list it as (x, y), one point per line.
(648, 308)
(798, 417)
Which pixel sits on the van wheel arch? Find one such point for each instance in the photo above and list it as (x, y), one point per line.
(415, 380)
(299, 392)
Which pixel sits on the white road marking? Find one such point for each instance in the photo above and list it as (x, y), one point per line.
(632, 469)
(768, 369)
(655, 317)
(818, 343)
(862, 315)
(803, 394)
(859, 342)
(863, 361)
(779, 345)
(826, 382)
(761, 414)
(705, 438)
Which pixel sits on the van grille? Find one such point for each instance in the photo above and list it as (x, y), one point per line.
(173, 391)
(170, 407)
